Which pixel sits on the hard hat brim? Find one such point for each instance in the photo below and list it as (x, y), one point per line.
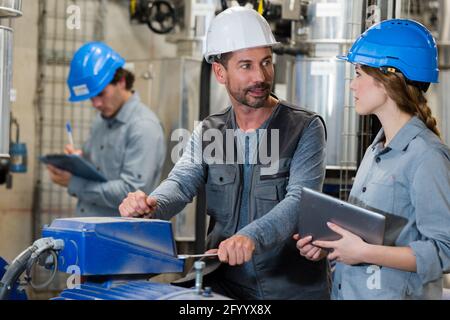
(210, 57)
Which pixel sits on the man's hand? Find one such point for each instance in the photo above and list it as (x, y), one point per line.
(236, 250)
(69, 149)
(138, 204)
(59, 176)
(309, 251)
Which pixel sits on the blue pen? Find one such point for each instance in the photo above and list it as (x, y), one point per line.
(69, 132)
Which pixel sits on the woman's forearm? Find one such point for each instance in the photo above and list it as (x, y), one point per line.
(401, 258)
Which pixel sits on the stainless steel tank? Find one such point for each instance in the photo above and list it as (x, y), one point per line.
(10, 8)
(444, 65)
(6, 37)
(435, 15)
(333, 21)
(320, 82)
(321, 87)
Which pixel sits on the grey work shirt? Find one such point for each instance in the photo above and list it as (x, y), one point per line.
(307, 170)
(248, 143)
(129, 150)
(409, 182)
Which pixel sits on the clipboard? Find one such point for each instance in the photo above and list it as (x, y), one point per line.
(76, 165)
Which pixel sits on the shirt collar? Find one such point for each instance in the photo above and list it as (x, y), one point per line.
(126, 110)
(404, 137)
(265, 124)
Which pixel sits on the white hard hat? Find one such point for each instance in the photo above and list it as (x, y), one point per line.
(235, 29)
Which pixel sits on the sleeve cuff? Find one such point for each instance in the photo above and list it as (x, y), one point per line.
(250, 235)
(427, 260)
(76, 185)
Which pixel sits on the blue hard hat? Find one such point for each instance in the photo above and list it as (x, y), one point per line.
(405, 45)
(92, 68)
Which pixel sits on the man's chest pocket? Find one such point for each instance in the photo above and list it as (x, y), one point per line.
(266, 198)
(270, 191)
(219, 191)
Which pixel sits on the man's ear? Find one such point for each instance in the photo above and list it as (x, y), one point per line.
(122, 83)
(219, 72)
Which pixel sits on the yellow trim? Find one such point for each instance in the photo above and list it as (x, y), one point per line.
(393, 70)
(261, 7)
(133, 7)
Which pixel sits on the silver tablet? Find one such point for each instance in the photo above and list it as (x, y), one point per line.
(316, 209)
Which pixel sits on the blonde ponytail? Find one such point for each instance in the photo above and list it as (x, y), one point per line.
(423, 111)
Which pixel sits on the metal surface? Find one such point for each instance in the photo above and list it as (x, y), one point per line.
(444, 34)
(115, 246)
(291, 10)
(204, 255)
(197, 15)
(6, 38)
(133, 290)
(435, 15)
(444, 105)
(319, 82)
(320, 87)
(442, 108)
(317, 209)
(10, 8)
(199, 266)
(334, 21)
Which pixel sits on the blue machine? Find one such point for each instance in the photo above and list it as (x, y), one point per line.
(112, 258)
(115, 246)
(132, 290)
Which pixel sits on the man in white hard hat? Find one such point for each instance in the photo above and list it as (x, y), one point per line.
(252, 203)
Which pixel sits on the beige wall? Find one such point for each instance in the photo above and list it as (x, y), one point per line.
(134, 42)
(137, 44)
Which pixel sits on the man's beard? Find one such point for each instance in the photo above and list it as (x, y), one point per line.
(255, 103)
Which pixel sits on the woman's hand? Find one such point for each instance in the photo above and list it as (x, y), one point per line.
(309, 251)
(350, 249)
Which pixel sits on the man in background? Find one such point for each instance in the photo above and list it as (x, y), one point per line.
(126, 142)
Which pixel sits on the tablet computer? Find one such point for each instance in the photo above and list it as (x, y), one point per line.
(316, 209)
(75, 164)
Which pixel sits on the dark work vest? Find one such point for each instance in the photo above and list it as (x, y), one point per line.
(281, 273)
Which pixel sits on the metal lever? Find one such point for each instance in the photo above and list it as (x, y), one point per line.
(204, 255)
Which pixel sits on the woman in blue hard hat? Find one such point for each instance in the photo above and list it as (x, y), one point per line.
(405, 173)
